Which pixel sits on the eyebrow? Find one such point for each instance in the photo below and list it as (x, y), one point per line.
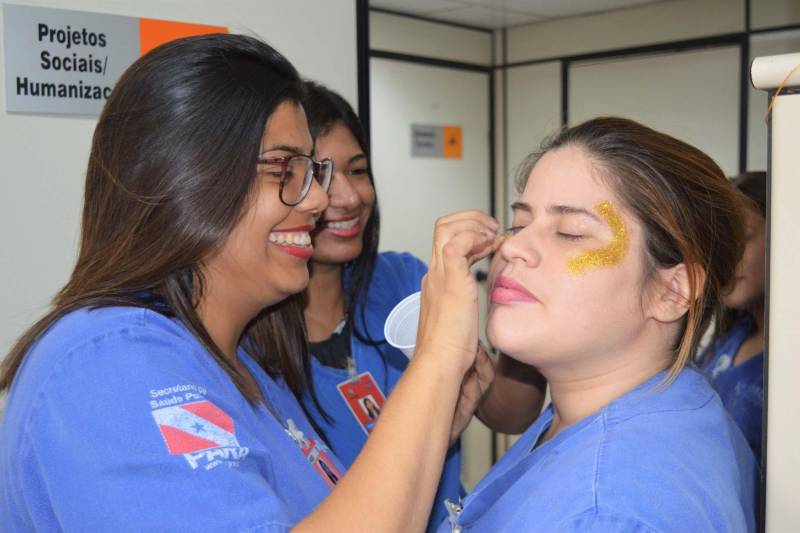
(557, 210)
(521, 206)
(572, 210)
(284, 148)
(356, 158)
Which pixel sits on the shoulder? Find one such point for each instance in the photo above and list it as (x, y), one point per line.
(396, 275)
(688, 393)
(91, 354)
(399, 264)
(686, 451)
(109, 332)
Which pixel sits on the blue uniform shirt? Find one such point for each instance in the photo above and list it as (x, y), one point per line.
(653, 460)
(395, 277)
(119, 420)
(741, 387)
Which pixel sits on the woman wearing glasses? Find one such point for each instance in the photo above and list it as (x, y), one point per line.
(160, 392)
(351, 292)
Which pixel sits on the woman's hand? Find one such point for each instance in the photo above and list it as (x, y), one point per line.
(392, 483)
(477, 381)
(448, 325)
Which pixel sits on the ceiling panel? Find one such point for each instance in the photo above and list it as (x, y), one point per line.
(417, 7)
(486, 17)
(559, 8)
(504, 13)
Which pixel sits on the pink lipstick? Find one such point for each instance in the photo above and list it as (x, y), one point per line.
(507, 290)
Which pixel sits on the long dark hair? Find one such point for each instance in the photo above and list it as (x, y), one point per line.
(753, 185)
(171, 169)
(325, 109)
(683, 201)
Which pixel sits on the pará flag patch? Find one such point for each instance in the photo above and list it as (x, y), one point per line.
(193, 427)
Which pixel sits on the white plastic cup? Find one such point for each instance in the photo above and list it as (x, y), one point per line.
(400, 329)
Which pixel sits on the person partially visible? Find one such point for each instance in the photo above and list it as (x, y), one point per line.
(351, 291)
(735, 361)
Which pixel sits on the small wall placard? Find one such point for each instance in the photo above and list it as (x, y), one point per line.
(436, 141)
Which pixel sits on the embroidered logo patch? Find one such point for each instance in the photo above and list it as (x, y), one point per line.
(201, 432)
(195, 426)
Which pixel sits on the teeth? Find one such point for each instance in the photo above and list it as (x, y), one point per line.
(343, 224)
(301, 239)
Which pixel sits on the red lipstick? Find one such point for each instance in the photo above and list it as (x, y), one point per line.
(304, 252)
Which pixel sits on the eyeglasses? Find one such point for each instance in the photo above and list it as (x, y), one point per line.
(297, 171)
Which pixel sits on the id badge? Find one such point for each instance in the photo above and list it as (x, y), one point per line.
(364, 399)
(320, 462)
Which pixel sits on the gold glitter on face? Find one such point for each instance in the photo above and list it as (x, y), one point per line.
(607, 256)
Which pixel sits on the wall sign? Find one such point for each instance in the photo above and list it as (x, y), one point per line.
(436, 141)
(66, 62)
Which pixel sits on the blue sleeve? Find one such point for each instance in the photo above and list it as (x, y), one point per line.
(405, 270)
(99, 458)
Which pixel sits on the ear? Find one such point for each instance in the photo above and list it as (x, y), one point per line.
(670, 293)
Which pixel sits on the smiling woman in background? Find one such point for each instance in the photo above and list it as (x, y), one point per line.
(352, 290)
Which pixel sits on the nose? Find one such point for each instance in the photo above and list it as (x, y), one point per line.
(316, 201)
(341, 192)
(521, 248)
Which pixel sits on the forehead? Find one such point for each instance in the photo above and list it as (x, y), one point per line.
(287, 126)
(338, 137)
(565, 176)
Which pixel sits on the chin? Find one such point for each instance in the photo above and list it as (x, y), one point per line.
(735, 300)
(503, 339)
(296, 285)
(338, 256)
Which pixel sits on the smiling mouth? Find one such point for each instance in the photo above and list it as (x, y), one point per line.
(300, 239)
(295, 241)
(342, 224)
(343, 228)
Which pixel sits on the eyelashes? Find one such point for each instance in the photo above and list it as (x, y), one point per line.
(569, 236)
(513, 230)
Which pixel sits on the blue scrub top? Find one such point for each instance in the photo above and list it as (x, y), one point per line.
(653, 460)
(396, 276)
(119, 420)
(741, 387)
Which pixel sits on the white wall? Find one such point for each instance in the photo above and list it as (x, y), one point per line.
(691, 95)
(648, 24)
(44, 157)
(773, 13)
(534, 112)
(783, 429)
(394, 33)
(413, 192)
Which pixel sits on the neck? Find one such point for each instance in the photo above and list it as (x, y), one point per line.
(757, 312)
(324, 301)
(577, 393)
(224, 325)
(225, 316)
